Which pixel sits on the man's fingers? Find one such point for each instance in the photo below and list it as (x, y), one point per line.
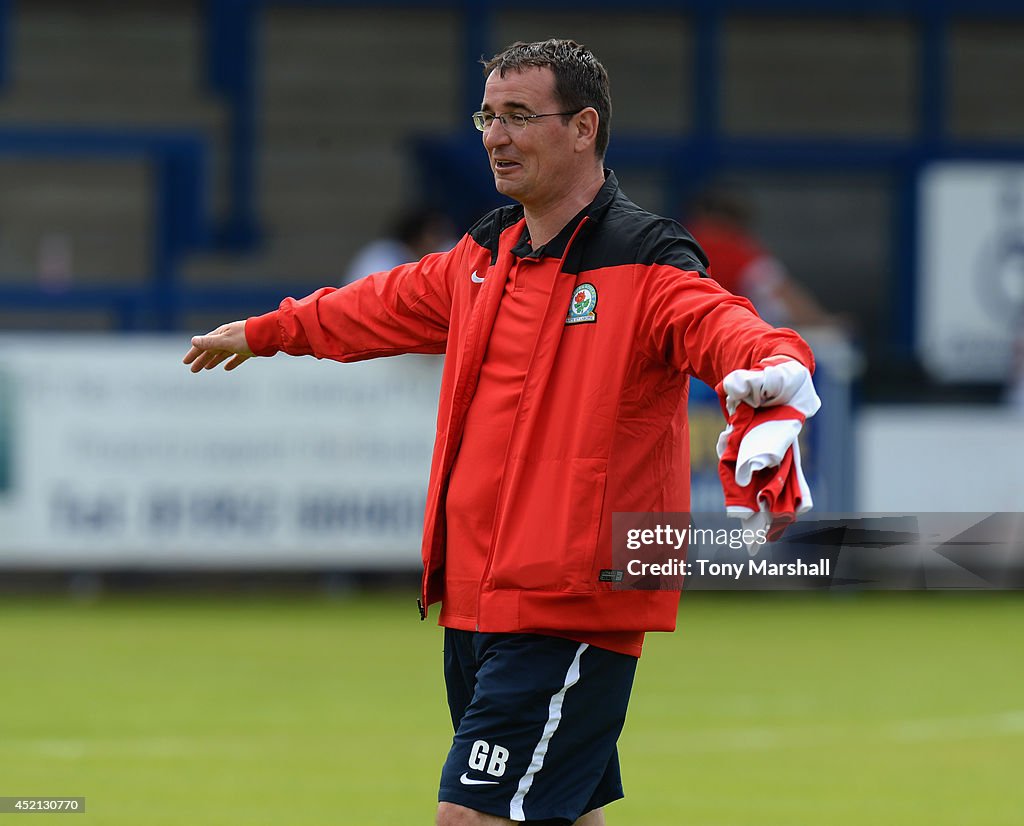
(210, 359)
(199, 361)
(193, 353)
(226, 343)
(205, 359)
(211, 341)
(215, 358)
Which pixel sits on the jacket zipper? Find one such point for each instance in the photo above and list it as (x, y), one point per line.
(511, 438)
(421, 601)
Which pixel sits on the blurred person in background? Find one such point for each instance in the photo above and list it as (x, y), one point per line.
(721, 221)
(416, 232)
(572, 321)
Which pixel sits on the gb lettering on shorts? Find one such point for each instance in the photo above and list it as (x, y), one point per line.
(491, 760)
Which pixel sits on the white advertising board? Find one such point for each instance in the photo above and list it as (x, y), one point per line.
(112, 454)
(970, 295)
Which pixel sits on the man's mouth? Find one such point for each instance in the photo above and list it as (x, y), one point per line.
(505, 164)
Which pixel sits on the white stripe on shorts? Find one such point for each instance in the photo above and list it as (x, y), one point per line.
(572, 677)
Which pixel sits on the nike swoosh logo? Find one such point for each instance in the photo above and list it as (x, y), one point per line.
(466, 780)
(476, 279)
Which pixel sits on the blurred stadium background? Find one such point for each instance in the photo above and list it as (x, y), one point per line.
(206, 583)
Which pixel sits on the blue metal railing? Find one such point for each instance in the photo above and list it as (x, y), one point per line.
(179, 166)
(232, 61)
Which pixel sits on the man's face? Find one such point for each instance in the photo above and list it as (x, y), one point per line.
(536, 164)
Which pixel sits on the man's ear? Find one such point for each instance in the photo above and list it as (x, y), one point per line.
(586, 129)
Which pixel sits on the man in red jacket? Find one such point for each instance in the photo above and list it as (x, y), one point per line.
(570, 323)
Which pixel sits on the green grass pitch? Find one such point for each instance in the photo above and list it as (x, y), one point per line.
(775, 710)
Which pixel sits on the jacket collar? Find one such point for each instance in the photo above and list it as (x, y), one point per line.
(595, 211)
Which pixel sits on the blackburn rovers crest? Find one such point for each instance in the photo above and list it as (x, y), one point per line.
(583, 307)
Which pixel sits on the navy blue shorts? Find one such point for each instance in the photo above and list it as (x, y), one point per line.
(536, 720)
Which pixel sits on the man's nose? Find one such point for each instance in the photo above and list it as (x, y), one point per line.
(496, 134)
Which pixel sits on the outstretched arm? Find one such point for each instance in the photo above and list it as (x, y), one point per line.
(226, 343)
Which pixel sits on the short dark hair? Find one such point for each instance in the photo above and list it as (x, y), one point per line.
(580, 79)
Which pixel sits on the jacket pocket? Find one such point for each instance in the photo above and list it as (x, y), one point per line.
(548, 531)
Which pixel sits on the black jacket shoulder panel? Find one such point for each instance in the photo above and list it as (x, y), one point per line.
(626, 234)
(670, 243)
(487, 231)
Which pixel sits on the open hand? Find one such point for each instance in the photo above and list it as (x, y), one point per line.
(226, 343)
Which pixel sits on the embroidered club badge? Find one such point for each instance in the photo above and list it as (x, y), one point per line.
(583, 306)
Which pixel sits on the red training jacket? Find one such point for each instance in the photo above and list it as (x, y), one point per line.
(601, 424)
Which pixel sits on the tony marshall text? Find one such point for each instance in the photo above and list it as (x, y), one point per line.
(752, 567)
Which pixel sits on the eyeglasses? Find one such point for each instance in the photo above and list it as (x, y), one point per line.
(483, 120)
